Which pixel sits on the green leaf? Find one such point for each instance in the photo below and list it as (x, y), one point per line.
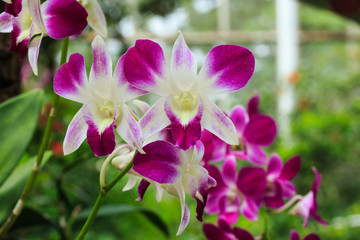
(18, 121)
(12, 188)
(110, 210)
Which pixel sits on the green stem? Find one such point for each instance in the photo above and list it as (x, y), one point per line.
(99, 201)
(266, 227)
(44, 145)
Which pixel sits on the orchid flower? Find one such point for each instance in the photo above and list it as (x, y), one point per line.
(307, 206)
(295, 236)
(236, 193)
(56, 18)
(278, 178)
(184, 102)
(225, 232)
(254, 131)
(103, 98)
(178, 172)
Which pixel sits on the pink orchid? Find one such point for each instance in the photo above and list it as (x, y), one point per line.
(103, 98)
(295, 236)
(278, 178)
(56, 18)
(254, 131)
(184, 102)
(178, 172)
(307, 206)
(236, 193)
(225, 232)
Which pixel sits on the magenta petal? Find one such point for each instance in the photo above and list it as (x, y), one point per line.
(143, 186)
(294, 235)
(70, 77)
(64, 18)
(213, 233)
(229, 170)
(159, 163)
(185, 136)
(260, 130)
(229, 67)
(215, 148)
(252, 182)
(6, 24)
(275, 165)
(312, 236)
(253, 105)
(255, 154)
(287, 188)
(143, 64)
(291, 168)
(101, 143)
(239, 117)
(242, 234)
(14, 8)
(20, 47)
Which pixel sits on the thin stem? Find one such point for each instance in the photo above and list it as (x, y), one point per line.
(44, 145)
(288, 204)
(99, 201)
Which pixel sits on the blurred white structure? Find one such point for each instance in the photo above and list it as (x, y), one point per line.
(287, 62)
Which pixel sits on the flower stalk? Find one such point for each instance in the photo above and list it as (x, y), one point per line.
(100, 199)
(44, 144)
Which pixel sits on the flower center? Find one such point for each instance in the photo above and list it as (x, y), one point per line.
(107, 109)
(185, 101)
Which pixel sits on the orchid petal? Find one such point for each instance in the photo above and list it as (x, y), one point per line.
(218, 123)
(253, 104)
(18, 45)
(185, 134)
(70, 80)
(13, 7)
(130, 184)
(63, 18)
(35, 13)
(6, 24)
(33, 53)
(160, 163)
(145, 67)
(143, 186)
(75, 134)
(129, 129)
(215, 148)
(287, 189)
(213, 233)
(256, 154)
(124, 89)
(227, 68)
(252, 182)
(239, 117)
(242, 234)
(275, 165)
(260, 130)
(229, 170)
(312, 236)
(250, 209)
(101, 70)
(294, 235)
(7, 1)
(183, 65)
(100, 134)
(185, 210)
(96, 17)
(291, 168)
(155, 119)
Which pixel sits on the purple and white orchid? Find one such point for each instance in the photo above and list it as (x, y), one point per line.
(56, 18)
(178, 172)
(103, 98)
(278, 176)
(254, 131)
(236, 193)
(295, 236)
(225, 232)
(307, 206)
(184, 102)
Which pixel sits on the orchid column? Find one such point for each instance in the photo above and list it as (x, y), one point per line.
(287, 61)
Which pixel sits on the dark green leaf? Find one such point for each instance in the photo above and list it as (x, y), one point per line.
(12, 188)
(18, 121)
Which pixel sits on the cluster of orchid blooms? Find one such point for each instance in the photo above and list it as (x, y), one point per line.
(176, 144)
